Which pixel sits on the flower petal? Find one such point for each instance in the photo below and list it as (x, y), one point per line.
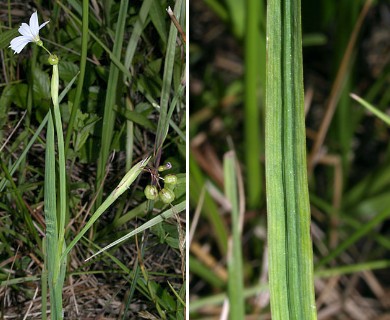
(43, 24)
(29, 33)
(25, 30)
(17, 44)
(34, 25)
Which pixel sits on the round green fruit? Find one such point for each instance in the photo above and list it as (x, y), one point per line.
(53, 59)
(151, 192)
(170, 179)
(166, 195)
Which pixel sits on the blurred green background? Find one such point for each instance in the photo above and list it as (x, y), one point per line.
(346, 49)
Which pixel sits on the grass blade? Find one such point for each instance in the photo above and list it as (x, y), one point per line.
(80, 83)
(384, 117)
(163, 124)
(109, 113)
(252, 110)
(160, 218)
(235, 282)
(136, 34)
(210, 208)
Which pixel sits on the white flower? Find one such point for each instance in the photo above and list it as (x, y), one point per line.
(29, 33)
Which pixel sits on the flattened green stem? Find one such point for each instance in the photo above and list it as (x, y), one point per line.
(61, 157)
(50, 208)
(290, 251)
(58, 269)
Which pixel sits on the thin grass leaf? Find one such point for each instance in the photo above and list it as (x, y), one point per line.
(177, 295)
(80, 83)
(348, 269)
(384, 117)
(218, 8)
(175, 102)
(235, 282)
(129, 135)
(252, 110)
(136, 33)
(163, 124)
(237, 16)
(161, 217)
(157, 15)
(218, 299)
(131, 291)
(109, 113)
(11, 282)
(130, 50)
(205, 272)
(67, 88)
(363, 230)
(210, 209)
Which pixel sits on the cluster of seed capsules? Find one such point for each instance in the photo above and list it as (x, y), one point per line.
(166, 194)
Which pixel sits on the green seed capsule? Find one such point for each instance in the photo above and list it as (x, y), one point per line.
(53, 59)
(170, 179)
(166, 195)
(151, 192)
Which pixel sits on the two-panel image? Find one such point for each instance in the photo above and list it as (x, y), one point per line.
(195, 159)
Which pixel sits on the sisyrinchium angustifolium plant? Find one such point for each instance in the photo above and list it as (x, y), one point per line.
(55, 111)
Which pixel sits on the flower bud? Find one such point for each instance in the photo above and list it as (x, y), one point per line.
(164, 167)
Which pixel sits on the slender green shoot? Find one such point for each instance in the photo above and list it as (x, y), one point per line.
(384, 117)
(362, 231)
(111, 94)
(150, 223)
(80, 83)
(235, 282)
(252, 110)
(163, 123)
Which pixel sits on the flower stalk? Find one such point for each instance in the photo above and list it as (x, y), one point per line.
(55, 220)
